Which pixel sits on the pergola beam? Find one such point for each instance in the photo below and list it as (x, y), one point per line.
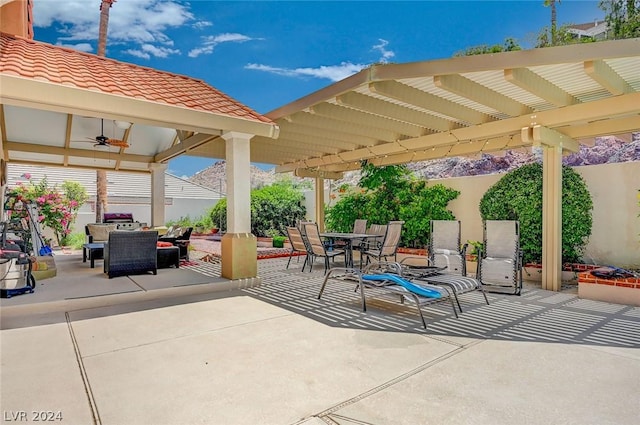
(181, 148)
(464, 87)
(353, 116)
(320, 123)
(428, 101)
(593, 111)
(535, 84)
(543, 136)
(380, 107)
(81, 153)
(306, 172)
(332, 136)
(602, 73)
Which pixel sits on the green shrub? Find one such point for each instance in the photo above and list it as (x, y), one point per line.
(76, 240)
(203, 221)
(518, 196)
(393, 195)
(273, 208)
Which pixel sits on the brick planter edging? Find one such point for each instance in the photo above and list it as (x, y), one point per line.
(627, 282)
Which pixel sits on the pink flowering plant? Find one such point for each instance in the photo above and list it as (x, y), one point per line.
(57, 209)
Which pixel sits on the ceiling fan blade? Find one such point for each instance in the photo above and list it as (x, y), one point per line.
(117, 143)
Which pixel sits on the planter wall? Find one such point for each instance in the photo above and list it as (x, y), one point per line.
(620, 291)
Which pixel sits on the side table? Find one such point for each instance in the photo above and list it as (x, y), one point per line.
(168, 257)
(94, 251)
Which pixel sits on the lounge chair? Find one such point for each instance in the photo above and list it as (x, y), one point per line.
(384, 279)
(500, 263)
(444, 246)
(297, 245)
(448, 259)
(317, 248)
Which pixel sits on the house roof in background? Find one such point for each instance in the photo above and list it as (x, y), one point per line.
(120, 185)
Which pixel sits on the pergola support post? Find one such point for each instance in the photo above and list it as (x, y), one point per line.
(552, 218)
(157, 193)
(239, 246)
(319, 192)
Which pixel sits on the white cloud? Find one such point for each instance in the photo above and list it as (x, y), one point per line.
(143, 22)
(333, 72)
(209, 42)
(200, 25)
(148, 50)
(83, 47)
(386, 54)
(137, 53)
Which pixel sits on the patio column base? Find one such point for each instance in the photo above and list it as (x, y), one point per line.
(239, 256)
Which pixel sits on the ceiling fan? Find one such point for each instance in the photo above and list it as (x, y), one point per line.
(103, 140)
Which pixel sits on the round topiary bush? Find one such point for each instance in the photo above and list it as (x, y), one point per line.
(518, 196)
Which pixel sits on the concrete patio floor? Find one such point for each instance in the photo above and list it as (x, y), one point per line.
(275, 354)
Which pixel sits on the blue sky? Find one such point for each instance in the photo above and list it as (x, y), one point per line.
(266, 54)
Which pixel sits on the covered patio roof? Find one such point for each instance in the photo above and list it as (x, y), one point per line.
(53, 99)
(398, 113)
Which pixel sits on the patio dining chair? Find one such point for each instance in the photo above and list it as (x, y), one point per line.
(387, 248)
(317, 248)
(297, 245)
(359, 226)
(500, 263)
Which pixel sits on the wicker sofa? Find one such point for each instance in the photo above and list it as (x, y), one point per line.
(131, 252)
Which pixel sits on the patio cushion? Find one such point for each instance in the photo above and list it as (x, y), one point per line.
(100, 231)
(161, 244)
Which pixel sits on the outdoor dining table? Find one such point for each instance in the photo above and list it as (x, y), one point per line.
(348, 238)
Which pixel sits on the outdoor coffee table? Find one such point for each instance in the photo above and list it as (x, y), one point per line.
(95, 251)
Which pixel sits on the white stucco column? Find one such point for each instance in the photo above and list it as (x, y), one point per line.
(320, 203)
(239, 246)
(552, 218)
(157, 193)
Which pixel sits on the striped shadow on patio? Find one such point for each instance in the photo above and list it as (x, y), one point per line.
(537, 315)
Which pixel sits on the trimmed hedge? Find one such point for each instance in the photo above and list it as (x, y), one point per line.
(518, 196)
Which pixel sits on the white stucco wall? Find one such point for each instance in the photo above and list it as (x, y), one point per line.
(194, 208)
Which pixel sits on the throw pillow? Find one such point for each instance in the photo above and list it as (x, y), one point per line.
(100, 231)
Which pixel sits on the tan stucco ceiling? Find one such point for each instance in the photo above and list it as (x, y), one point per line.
(52, 124)
(397, 113)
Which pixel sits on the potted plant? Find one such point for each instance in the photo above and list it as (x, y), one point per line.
(476, 248)
(278, 241)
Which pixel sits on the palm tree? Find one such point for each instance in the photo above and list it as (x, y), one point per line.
(101, 175)
(554, 20)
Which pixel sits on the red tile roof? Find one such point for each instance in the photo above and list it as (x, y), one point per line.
(59, 65)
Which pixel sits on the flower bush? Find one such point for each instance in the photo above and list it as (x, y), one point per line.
(56, 210)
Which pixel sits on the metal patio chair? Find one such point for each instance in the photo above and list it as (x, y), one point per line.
(500, 264)
(297, 245)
